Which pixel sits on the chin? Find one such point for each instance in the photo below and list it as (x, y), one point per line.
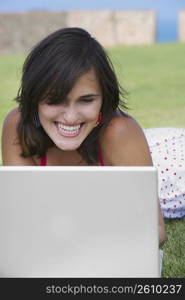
(68, 147)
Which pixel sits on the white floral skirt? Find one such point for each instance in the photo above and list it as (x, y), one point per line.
(167, 147)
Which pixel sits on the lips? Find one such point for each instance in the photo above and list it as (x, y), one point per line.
(68, 131)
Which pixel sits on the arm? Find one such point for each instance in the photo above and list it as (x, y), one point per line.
(123, 143)
(11, 148)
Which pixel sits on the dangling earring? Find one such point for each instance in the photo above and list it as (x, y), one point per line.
(99, 118)
(36, 120)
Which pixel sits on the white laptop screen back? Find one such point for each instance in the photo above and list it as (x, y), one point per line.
(78, 222)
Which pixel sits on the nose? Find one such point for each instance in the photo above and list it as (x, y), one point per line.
(70, 114)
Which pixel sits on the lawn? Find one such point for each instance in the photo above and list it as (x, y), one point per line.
(153, 77)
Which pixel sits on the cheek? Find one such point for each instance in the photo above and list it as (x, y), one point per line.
(92, 112)
(91, 116)
(46, 112)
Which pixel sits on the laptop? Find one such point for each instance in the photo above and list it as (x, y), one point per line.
(79, 222)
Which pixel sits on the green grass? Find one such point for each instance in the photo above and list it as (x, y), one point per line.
(154, 77)
(174, 249)
(10, 74)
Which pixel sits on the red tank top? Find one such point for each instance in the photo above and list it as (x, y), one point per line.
(43, 159)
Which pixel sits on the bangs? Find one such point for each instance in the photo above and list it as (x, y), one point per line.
(58, 83)
(58, 90)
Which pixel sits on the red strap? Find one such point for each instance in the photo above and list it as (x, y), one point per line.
(100, 158)
(43, 160)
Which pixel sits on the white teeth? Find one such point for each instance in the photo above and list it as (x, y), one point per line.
(68, 129)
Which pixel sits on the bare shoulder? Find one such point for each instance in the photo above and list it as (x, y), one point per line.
(123, 142)
(121, 125)
(12, 118)
(11, 149)
(10, 123)
(121, 128)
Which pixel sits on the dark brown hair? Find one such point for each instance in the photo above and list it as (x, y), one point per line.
(50, 71)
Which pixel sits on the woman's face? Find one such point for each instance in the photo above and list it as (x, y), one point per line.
(69, 123)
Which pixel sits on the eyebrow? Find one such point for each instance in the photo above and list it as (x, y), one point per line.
(86, 96)
(89, 95)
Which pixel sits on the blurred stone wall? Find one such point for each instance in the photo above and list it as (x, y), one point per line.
(20, 31)
(181, 25)
(117, 27)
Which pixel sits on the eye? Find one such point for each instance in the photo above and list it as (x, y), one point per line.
(87, 100)
(51, 102)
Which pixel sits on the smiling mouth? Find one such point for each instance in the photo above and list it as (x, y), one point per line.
(69, 131)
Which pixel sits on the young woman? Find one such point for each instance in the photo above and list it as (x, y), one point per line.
(68, 113)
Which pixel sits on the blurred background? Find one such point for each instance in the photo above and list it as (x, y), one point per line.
(167, 10)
